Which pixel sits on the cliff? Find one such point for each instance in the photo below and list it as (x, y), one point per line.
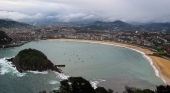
(34, 60)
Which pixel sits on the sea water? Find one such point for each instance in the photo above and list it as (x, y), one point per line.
(106, 65)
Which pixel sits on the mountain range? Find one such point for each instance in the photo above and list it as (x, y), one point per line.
(122, 26)
(7, 23)
(99, 25)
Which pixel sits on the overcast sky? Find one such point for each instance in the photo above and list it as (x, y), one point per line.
(86, 10)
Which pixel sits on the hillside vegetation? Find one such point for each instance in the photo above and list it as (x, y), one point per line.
(4, 39)
(33, 60)
(11, 24)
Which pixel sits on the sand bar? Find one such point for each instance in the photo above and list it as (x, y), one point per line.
(161, 64)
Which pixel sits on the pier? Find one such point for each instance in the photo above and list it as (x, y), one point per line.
(60, 65)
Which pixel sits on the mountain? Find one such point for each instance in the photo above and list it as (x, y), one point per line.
(157, 25)
(122, 26)
(54, 21)
(117, 23)
(99, 25)
(10, 24)
(95, 26)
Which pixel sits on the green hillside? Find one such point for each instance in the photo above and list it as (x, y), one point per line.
(4, 39)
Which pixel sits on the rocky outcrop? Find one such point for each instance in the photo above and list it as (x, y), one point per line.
(33, 60)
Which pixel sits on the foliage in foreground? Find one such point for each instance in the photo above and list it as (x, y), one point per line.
(80, 85)
(159, 89)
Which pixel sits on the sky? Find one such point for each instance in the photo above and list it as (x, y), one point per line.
(141, 11)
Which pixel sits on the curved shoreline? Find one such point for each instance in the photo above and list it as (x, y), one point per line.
(147, 58)
(160, 65)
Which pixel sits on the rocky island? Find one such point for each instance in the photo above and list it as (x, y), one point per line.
(33, 60)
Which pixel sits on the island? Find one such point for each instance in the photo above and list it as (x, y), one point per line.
(33, 60)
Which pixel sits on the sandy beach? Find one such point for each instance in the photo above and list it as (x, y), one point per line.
(159, 64)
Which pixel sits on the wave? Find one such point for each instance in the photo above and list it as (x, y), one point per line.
(6, 68)
(62, 76)
(156, 71)
(95, 82)
(150, 61)
(37, 72)
(53, 82)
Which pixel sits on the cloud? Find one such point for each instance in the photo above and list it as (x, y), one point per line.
(72, 17)
(13, 15)
(19, 16)
(86, 10)
(89, 17)
(37, 16)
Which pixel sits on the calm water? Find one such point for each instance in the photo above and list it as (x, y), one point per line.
(112, 66)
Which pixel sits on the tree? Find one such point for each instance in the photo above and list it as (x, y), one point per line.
(79, 85)
(136, 90)
(76, 85)
(4, 39)
(163, 89)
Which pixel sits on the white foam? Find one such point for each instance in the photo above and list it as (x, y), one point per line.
(56, 88)
(95, 82)
(62, 76)
(37, 72)
(53, 82)
(150, 61)
(7, 67)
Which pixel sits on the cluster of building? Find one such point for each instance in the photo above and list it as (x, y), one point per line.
(147, 39)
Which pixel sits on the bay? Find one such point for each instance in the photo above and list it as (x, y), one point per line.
(110, 66)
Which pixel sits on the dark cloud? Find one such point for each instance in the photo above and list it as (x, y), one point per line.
(83, 10)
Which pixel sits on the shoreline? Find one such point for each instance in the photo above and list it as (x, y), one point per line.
(160, 65)
(13, 45)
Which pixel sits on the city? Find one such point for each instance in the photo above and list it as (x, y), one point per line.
(155, 40)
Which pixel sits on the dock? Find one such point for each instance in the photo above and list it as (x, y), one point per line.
(60, 65)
